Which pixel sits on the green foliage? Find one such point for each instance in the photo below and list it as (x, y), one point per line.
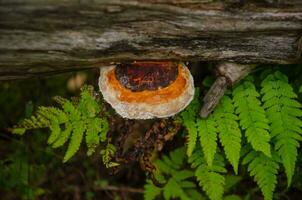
(151, 191)
(252, 116)
(255, 130)
(264, 169)
(265, 126)
(229, 132)
(107, 153)
(207, 137)
(222, 122)
(16, 174)
(189, 116)
(70, 122)
(210, 178)
(283, 112)
(170, 172)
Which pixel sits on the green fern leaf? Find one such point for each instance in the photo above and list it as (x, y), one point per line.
(18, 131)
(70, 122)
(173, 190)
(189, 116)
(172, 163)
(177, 157)
(264, 169)
(252, 116)
(169, 171)
(107, 154)
(55, 130)
(75, 140)
(208, 136)
(182, 175)
(87, 105)
(64, 136)
(228, 131)
(210, 178)
(104, 127)
(283, 112)
(151, 191)
(164, 167)
(73, 113)
(52, 112)
(38, 121)
(170, 189)
(92, 134)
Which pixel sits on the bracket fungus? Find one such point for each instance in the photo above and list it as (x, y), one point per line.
(147, 89)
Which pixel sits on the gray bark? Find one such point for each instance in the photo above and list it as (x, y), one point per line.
(51, 36)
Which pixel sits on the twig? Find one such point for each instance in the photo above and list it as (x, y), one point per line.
(228, 75)
(119, 189)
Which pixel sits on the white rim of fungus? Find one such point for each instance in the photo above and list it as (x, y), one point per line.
(144, 110)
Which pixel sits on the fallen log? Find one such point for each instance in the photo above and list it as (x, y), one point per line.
(53, 36)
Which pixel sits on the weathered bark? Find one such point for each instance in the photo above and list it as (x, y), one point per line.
(42, 37)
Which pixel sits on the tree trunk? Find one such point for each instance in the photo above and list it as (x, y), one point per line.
(51, 36)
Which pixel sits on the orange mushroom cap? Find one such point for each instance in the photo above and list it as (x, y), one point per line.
(145, 90)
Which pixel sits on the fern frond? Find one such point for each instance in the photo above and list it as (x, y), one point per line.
(75, 140)
(264, 169)
(252, 116)
(173, 190)
(70, 122)
(208, 136)
(172, 163)
(189, 116)
(210, 178)
(177, 157)
(175, 178)
(107, 154)
(151, 191)
(228, 130)
(283, 112)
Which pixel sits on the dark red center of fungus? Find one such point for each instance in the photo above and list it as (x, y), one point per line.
(141, 76)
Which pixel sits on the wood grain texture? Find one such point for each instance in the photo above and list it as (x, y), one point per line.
(43, 37)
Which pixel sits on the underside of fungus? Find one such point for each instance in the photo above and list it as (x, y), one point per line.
(145, 90)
